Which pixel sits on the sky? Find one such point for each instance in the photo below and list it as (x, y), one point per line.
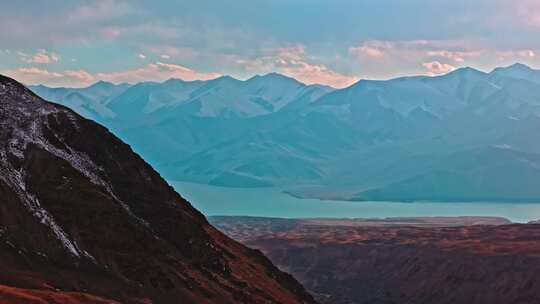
(334, 42)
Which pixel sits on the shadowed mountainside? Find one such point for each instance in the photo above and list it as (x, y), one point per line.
(82, 217)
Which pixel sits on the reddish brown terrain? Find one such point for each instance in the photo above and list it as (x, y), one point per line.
(367, 261)
(83, 219)
(30, 296)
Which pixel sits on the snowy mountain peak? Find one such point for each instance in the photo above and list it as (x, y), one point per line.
(465, 71)
(102, 84)
(274, 77)
(225, 80)
(517, 67)
(518, 71)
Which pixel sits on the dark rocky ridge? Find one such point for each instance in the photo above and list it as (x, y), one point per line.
(81, 212)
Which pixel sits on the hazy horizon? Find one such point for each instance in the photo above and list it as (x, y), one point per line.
(334, 43)
(278, 73)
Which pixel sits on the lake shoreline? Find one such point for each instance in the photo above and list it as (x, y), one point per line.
(273, 202)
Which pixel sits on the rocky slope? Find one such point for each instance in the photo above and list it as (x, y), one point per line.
(360, 262)
(83, 218)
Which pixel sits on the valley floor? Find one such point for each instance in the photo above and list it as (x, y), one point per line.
(407, 260)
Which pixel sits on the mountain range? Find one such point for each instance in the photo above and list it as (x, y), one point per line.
(464, 136)
(84, 219)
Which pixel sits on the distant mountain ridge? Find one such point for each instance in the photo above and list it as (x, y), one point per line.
(367, 141)
(221, 97)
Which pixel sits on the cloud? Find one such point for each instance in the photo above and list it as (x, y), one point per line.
(373, 49)
(437, 68)
(368, 51)
(38, 72)
(222, 39)
(528, 11)
(388, 59)
(317, 74)
(515, 55)
(34, 75)
(79, 78)
(80, 75)
(99, 10)
(456, 56)
(141, 56)
(527, 53)
(40, 57)
(55, 23)
(167, 51)
(158, 71)
(455, 50)
(294, 62)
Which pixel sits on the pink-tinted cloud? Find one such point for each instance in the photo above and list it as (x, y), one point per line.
(457, 51)
(158, 71)
(294, 62)
(80, 75)
(318, 74)
(99, 10)
(437, 68)
(40, 57)
(34, 75)
(79, 78)
(515, 55)
(528, 11)
(166, 51)
(456, 56)
(388, 59)
(373, 49)
(368, 51)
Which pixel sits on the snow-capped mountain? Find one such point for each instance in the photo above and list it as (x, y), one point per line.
(224, 97)
(91, 102)
(518, 71)
(273, 130)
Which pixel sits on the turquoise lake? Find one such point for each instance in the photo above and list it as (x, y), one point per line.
(272, 202)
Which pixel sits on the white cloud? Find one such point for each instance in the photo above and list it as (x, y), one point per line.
(79, 78)
(158, 71)
(99, 10)
(528, 11)
(165, 56)
(141, 56)
(456, 56)
(373, 49)
(40, 57)
(34, 75)
(368, 51)
(515, 55)
(437, 68)
(294, 62)
(389, 59)
(457, 51)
